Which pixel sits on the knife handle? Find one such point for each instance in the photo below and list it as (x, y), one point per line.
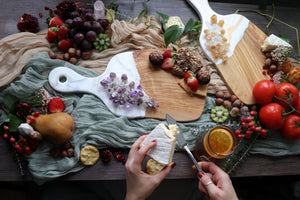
(193, 158)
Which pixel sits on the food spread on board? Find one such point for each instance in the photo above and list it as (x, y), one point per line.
(80, 33)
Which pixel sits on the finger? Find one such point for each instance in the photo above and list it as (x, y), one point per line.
(208, 185)
(144, 149)
(211, 167)
(138, 142)
(165, 171)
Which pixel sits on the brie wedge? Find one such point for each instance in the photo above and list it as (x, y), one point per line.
(174, 20)
(272, 42)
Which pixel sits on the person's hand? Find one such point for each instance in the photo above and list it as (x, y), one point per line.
(215, 183)
(140, 184)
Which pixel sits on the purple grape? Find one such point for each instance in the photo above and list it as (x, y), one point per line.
(89, 16)
(96, 26)
(72, 32)
(91, 36)
(78, 38)
(81, 10)
(69, 23)
(77, 22)
(104, 23)
(74, 14)
(85, 45)
(87, 26)
(89, 10)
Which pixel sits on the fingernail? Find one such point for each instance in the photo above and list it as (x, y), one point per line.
(153, 140)
(147, 133)
(200, 174)
(173, 165)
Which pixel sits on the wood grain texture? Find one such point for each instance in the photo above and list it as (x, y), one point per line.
(163, 86)
(245, 67)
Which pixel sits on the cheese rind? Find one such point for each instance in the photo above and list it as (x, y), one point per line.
(272, 42)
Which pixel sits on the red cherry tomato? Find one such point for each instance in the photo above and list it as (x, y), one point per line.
(263, 91)
(297, 107)
(291, 127)
(271, 116)
(288, 92)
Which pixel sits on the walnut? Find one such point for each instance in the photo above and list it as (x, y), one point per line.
(156, 58)
(187, 59)
(203, 76)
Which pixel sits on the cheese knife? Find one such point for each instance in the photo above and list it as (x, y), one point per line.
(182, 143)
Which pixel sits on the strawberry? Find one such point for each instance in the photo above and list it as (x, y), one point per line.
(65, 44)
(188, 74)
(192, 82)
(52, 34)
(55, 21)
(56, 104)
(62, 32)
(167, 54)
(168, 63)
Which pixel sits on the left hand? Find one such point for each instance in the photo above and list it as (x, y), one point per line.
(140, 184)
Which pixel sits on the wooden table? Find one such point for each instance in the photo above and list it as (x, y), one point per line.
(255, 165)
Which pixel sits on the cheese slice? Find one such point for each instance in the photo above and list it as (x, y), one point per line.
(164, 150)
(174, 20)
(272, 42)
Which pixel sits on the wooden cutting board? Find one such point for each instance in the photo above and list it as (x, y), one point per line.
(245, 67)
(163, 86)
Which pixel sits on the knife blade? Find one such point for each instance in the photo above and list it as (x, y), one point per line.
(182, 142)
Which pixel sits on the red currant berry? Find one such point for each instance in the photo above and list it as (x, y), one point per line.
(252, 128)
(23, 140)
(6, 128)
(17, 146)
(250, 124)
(36, 113)
(28, 121)
(242, 119)
(5, 135)
(264, 73)
(238, 132)
(32, 118)
(240, 136)
(248, 119)
(12, 140)
(263, 135)
(257, 129)
(27, 148)
(248, 132)
(247, 136)
(252, 113)
(263, 131)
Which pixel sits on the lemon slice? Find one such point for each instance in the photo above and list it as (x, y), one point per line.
(221, 141)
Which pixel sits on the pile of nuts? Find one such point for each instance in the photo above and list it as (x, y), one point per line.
(66, 150)
(72, 55)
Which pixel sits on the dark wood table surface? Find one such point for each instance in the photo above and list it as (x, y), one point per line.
(255, 165)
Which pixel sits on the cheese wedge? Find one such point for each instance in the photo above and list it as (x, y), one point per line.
(272, 42)
(174, 20)
(164, 150)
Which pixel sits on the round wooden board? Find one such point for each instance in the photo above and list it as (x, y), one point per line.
(163, 86)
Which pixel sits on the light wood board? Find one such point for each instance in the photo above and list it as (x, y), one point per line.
(163, 86)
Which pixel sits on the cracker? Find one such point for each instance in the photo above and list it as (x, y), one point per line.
(153, 167)
(89, 155)
(201, 91)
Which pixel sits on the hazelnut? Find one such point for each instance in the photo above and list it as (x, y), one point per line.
(72, 52)
(220, 94)
(67, 56)
(203, 76)
(234, 112)
(227, 104)
(73, 60)
(237, 103)
(52, 55)
(60, 56)
(227, 95)
(67, 145)
(63, 153)
(268, 62)
(219, 101)
(78, 53)
(156, 58)
(273, 69)
(233, 98)
(70, 152)
(86, 55)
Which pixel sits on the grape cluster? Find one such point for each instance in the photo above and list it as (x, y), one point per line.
(83, 28)
(124, 93)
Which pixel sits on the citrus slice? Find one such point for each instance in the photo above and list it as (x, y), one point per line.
(221, 141)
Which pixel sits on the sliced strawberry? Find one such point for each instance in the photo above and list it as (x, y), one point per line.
(56, 104)
(168, 63)
(55, 21)
(52, 34)
(167, 54)
(62, 32)
(65, 44)
(188, 74)
(192, 82)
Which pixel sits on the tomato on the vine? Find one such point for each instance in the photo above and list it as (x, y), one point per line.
(291, 127)
(297, 107)
(271, 116)
(263, 91)
(287, 92)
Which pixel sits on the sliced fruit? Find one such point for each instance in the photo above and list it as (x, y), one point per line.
(219, 114)
(55, 21)
(188, 74)
(56, 104)
(168, 63)
(167, 54)
(192, 82)
(52, 34)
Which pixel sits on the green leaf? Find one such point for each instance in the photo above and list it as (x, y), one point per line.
(284, 37)
(172, 34)
(10, 102)
(142, 12)
(197, 26)
(14, 123)
(189, 26)
(164, 17)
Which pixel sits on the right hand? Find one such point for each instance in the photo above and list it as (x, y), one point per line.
(216, 183)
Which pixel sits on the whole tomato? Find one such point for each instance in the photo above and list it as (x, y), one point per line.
(263, 91)
(271, 116)
(288, 92)
(297, 107)
(291, 127)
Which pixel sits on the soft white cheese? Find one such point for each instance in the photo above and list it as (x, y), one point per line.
(174, 20)
(272, 42)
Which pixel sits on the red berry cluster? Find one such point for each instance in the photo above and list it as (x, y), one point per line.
(120, 156)
(32, 117)
(106, 156)
(20, 143)
(250, 126)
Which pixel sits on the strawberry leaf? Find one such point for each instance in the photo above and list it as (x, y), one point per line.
(14, 123)
(10, 102)
(172, 34)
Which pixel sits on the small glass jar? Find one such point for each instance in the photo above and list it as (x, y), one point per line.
(217, 143)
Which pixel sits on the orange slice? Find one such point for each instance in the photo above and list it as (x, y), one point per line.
(221, 141)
